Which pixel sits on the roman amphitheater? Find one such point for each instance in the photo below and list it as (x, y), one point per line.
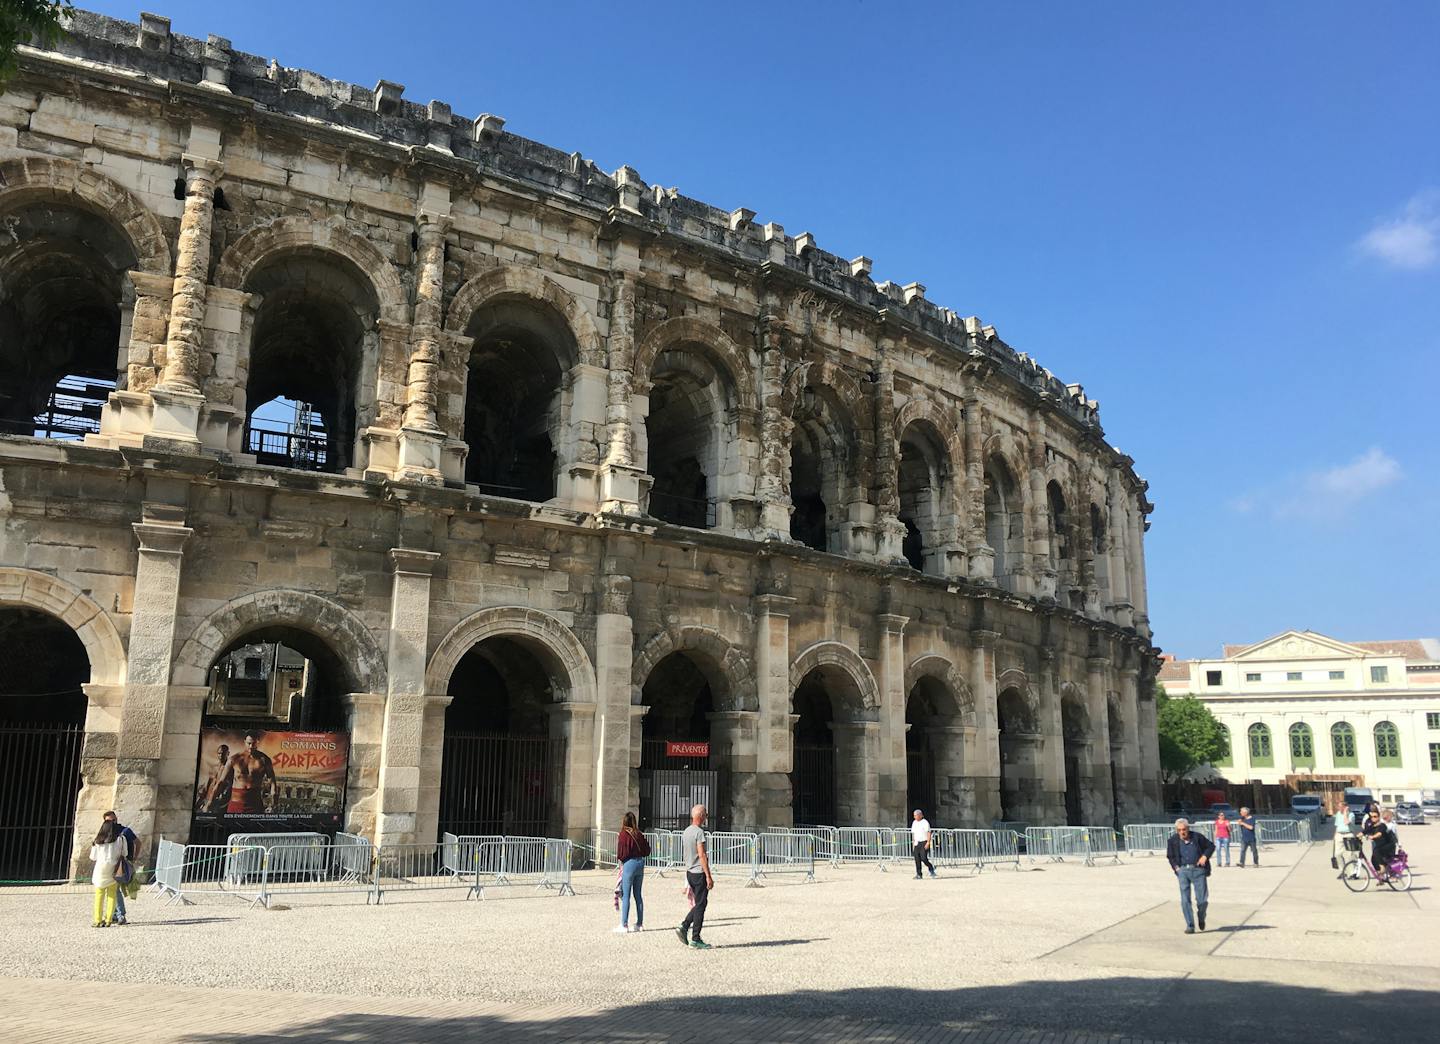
(560, 492)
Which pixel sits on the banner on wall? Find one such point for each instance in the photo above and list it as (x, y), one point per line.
(255, 781)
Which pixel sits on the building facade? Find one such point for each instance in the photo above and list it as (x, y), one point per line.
(512, 450)
(1301, 706)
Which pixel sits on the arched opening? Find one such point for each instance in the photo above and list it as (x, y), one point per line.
(514, 400)
(1387, 745)
(1115, 726)
(1019, 756)
(828, 780)
(1004, 521)
(820, 455)
(502, 760)
(314, 328)
(274, 691)
(678, 766)
(1100, 555)
(1342, 745)
(1075, 732)
(42, 733)
(1062, 551)
(63, 291)
(689, 438)
(924, 484)
(1262, 755)
(1302, 746)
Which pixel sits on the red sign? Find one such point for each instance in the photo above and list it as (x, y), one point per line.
(687, 750)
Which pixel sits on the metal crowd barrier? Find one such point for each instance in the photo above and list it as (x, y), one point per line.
(1281, 830)
(667, 851)
(422, 867)
(734, 854)
(1057, 843)
(975, 849)
(784, 852)
(305, 853)
(876, 845)
(348, 869)
(827, 840)
(1104, 844)
(458, 852)
(538, 861)
(353, 857)
(1147, 838)
(225, 870)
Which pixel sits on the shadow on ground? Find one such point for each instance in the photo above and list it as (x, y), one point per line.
(1168, 1010)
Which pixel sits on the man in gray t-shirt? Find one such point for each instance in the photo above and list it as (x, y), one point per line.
(698, 877)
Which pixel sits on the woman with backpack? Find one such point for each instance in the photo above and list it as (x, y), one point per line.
(107, 851)
(631, 850)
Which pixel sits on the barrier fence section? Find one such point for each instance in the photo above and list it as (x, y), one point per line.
(304, 853)
(735, 855)
(827, 840)
(354, 857)
(541, 862)
(784, 852)
(667, 851)
(1282, 830)
(866, 845)
(423, 867)
(345, 868)
(1057, 843)
(234, 872)
(459, 851)
(1104, 844)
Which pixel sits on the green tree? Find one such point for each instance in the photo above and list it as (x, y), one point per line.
(22, 20)
(1189, 734)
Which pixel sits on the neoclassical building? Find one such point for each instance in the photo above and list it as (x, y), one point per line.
(532, 470)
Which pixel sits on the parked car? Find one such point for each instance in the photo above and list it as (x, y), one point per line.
(1431, 807)
(1305, 804)
(1410, 812)
(1224, 806)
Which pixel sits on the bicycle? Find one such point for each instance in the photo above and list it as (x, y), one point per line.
(1357, 873)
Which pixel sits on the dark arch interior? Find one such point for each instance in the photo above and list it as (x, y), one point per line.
(812, 779)
(279, 677)
(1059, 523)
(522, 350)
(681, 692)
(42, 719)
(682, 433)
(62, 281)
(1015, 715)
(1017, 725)
(919, 477)
(924, 706)
(1074, 727)
(819, 452)
(307, 347)
(1004, 520)
(500, 768)
(679, 695)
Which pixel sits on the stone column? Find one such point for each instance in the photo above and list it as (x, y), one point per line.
(775, 428)
(127, 415)
(1149, 738)
(614, 661)
(889, 530)
(775, 751)
(1100, 806)
(1138, 595)
(1132, 806)
(982, 555)
(177, 396)
(103, 705)
(421, 437)
(148, 692)
(1037, 527)
(403, 748)
(621, 474)
(1050, 746)
(955, 798)
(857, 795)
(365, 715)
(575, 797)
(734, 743)
(891, 768)
(985, 767)
(1121, 608)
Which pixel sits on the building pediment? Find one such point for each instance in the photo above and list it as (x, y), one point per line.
(1299, 645)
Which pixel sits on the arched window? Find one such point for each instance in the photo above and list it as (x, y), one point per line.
(1261, 754)
(1224, 757)
(1342, 745)
(1004, 521)
(1387, 745)
(1302, 745)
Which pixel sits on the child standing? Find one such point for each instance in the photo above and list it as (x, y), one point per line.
(109, 846)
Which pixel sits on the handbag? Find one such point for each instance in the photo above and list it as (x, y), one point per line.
(124, 871)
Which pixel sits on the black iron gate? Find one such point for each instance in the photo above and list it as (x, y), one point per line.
(920, 765)
(39, 781)
(495, 783)
(1074, 815)
(812, 786)
(671, 785)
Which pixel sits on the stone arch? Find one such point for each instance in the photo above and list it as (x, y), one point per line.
(736, 674)
(62, 179)
(682, 330)
(557, 645)
(933, 665)
(330, 621)
(847, 389)
(527, 282)
(260, 244)
(927, 411)
(835, 654)
(29, 589)
(1074, 715)
(1014, 679)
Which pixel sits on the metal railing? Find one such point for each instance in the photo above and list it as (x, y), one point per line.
(302, 853)
(734, 855)
(827, 840)
(976, 849)
(783, 852)
(543, 863)
(221, 870)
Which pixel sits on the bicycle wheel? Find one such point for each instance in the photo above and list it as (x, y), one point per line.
(1355, 876)
(1399, 882)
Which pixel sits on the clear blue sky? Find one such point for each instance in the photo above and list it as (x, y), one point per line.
(1223, 220)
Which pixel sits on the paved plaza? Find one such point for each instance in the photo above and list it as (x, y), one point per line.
(860, 955)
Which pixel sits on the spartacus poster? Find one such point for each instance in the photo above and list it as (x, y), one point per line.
(254, 781)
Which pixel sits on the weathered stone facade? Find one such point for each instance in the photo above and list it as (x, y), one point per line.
(478, 314)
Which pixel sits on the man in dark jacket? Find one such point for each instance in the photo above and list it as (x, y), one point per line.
(1189, 854)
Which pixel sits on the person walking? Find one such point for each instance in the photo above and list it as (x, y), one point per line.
(698, 877)
(105, 853)
(1222, 840)
(920, 842)
(1248, 834)
(1344, 830)
(631, 849)
(132, 849)
(1189, 855)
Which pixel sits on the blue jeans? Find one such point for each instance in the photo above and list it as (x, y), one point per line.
(1193, 877)
(632, 883)
(1222, 851)
(1247, 841)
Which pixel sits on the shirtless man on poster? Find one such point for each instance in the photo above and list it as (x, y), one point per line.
(210, 789)
(251, 779)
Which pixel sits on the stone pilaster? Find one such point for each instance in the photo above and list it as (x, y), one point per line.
(614, 657)
(147, 702)
(857, 792)
(775, 428)
(981, 554)
(1100, 807)
(575, 797)
(775, 751)
(103, 705)
(1149, 743)
(956, 801)
(734, 744)
(889, 530)
(421, 437)
(1050, 745)
(621, 475)
(1037, 522)
(985, 768)
(365, 714)
(1121, 608)
(891, 766)
(1131, 796)
(403, 748)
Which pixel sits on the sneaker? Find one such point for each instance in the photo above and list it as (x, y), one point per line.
(933, 874)
(696, 944)
(1189, 931)
(919, 878)
(684, 934)
(620, 929)
(1202, 924)
(638, 928)
(96, 924)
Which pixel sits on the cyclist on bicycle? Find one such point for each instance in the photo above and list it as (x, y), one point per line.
(1382, 841)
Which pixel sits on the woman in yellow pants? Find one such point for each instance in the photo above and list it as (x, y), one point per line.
(109, 846)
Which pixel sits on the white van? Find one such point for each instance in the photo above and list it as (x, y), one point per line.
(1305, 804)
